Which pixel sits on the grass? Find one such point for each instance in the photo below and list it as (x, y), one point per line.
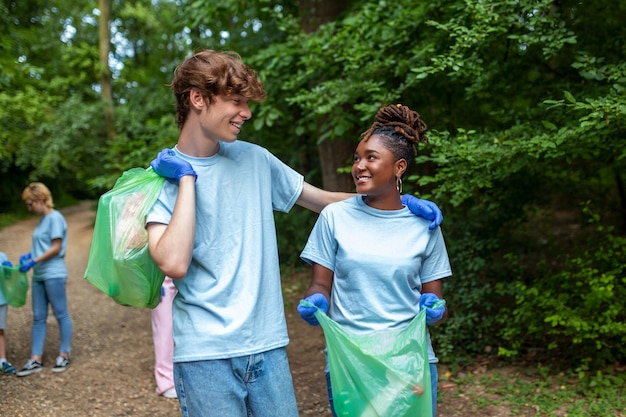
(19, 213)
(7, 219)
(525, 391)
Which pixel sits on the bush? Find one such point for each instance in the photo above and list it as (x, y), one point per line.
(578, 312)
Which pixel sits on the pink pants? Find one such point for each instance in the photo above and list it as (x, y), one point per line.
(162, 338)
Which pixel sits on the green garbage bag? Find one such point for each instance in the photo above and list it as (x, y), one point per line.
(379, 374)
(14, 285)
(119, 262)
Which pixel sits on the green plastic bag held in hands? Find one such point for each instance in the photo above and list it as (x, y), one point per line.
(379, 374)
(119, 262)
(14, 285)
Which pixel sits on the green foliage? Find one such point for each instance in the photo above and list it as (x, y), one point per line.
(577, 310)
(525, 106)
(294, 229)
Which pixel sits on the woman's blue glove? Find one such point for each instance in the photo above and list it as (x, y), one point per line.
(7, 263)
(434, 306)
(167, 164)
(25, 258)
(423, 208)
(308, 313)
(27, 265)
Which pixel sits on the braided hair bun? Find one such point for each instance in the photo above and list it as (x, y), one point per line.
(403, 120)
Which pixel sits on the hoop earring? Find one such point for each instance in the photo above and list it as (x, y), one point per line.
(399, 184)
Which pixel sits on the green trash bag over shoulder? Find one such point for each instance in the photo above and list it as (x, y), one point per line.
(119, 262)
(380, 374)
(14, 285)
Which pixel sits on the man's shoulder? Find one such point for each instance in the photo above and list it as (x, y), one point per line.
(241, 146)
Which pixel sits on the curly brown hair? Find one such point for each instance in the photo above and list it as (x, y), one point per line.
(213, 73)
(400, 128)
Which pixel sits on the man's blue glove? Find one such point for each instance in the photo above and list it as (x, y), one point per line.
(433, 313)
(27, 265)
(167, 164)
(423, 208)
(308, 313)
(7, 263)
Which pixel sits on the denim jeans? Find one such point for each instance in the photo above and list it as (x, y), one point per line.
(50, 291)
(434, 377)
(248, 386)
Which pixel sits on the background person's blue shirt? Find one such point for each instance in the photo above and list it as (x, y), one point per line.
(51, 226)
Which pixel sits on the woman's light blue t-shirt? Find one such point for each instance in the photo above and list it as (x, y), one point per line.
(380, 260)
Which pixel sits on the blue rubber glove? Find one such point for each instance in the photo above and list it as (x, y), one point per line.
(433, 314)
(7, 263)
(27, 265)
(308, 313)
(423, 208)
(167, 164)
(25, 257)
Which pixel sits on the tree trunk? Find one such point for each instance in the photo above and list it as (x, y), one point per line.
(336, 153)
(105, 71)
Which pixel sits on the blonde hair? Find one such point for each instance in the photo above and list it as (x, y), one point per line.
(38, 191)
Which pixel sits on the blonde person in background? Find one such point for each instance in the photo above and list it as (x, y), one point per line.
(49, 278)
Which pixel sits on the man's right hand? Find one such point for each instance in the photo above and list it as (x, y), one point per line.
(167, 164)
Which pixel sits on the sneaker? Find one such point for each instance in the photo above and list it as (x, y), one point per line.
(170, 393)
(7, 369)
(31, 367)
(61, 364)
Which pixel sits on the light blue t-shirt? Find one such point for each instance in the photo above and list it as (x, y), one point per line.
(380, 259)
(51, 226)
(3, 258)
(230, 302)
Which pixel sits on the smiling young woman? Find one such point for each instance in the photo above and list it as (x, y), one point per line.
(374, 265)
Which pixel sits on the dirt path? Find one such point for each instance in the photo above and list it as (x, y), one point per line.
(112, 355)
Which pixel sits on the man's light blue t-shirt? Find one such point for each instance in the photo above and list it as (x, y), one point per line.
(230, 302)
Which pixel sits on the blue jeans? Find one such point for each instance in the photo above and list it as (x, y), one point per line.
(50, 291)
(248, 386)
(434, 377)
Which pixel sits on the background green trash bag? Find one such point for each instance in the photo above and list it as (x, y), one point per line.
(379, 374)
(119, 262)
(14, 285)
